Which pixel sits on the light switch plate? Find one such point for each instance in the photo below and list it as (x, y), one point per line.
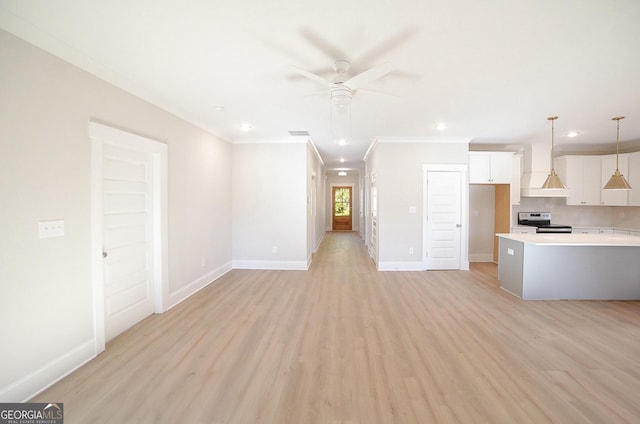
(47, 229)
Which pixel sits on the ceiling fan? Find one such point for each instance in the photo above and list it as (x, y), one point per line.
(341, 86)
(341, 91)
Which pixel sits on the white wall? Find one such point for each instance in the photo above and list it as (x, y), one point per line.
(351, 179)
(46, 315)
(269, 184)
(315, 201)
(482, 214)
(399, 174)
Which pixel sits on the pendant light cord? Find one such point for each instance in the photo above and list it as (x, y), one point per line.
(617, 119)
(552, 118)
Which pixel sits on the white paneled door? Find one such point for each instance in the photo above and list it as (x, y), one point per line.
(127, 237)
(443, 219)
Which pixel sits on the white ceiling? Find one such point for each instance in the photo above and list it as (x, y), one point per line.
(493, 70)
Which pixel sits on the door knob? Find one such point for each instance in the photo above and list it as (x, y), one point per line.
(104, 254)
(458, 225)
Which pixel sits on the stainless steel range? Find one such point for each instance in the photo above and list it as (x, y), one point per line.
(542, 222)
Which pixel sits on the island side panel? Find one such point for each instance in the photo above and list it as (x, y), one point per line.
(581, 272)
(510, 265)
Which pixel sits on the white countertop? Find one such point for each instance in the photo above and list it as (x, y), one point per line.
(574, 239)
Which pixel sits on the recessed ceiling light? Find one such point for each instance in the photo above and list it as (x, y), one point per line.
(218, 107)
(342, 141)
(572, 134)
(441, 126)
(246, 127)
(342, 160)
(342, 174)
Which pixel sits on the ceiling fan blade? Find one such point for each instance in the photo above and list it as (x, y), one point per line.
(331, 51)
(311, 76)
(368, 76)
(381, 93)
(388, 45)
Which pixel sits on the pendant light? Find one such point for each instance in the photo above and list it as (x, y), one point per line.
(617, 181)
(552, 181)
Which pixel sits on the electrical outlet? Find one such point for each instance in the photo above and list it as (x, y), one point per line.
(411, 250)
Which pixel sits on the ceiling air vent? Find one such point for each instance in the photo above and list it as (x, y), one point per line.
(298, 133)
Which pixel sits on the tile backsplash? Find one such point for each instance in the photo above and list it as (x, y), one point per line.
(580, 216)
(626, 217)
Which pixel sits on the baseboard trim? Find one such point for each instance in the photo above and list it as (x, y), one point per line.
(481, 257)
(190, 289)
(272, 265)
(30, 385)
(317, 246)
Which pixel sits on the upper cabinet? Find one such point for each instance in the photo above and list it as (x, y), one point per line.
(585, 176)
(608, 167)
(516, 173)
(581, 175)
(490, 167)
(634, 179)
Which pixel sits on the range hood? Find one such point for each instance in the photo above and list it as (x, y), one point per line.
(535, 171)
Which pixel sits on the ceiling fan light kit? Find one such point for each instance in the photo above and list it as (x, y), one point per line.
(617, 180)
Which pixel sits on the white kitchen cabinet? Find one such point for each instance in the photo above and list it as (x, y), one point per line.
(606, 231)
(617, 232)
(634, 233)
(523, 230)
(490, 167)
(608, 167)
(634, 179)
(585, 230)
(581, 174)
(516, 174)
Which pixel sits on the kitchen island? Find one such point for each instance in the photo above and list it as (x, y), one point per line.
(569, 266)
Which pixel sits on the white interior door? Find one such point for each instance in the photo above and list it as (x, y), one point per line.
(127, 237)
(444, 219)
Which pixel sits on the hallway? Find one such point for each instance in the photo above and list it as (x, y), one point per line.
(345, 343)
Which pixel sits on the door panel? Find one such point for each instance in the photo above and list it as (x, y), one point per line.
(444, 217)
(127, 238)
(342, 207)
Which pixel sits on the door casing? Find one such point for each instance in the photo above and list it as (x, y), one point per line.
(98, 135)
(464, 213)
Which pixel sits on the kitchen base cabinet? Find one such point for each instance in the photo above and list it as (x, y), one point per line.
(569, 266)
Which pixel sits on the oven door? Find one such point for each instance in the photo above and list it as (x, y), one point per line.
(554, 229)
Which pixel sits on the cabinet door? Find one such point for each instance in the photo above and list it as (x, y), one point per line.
(521, 230)
(591, 180)
(479, 168)
(581, 175)
(634, 179)
(501, 163)
(516, 174)
(570, 172)
(585, 230)
(614, 197)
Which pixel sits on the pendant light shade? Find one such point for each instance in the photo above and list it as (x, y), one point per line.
(552, 181)
(617, 181)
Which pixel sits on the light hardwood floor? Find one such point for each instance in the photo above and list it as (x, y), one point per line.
(342, 343)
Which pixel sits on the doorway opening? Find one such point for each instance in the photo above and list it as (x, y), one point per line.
(342, 207)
